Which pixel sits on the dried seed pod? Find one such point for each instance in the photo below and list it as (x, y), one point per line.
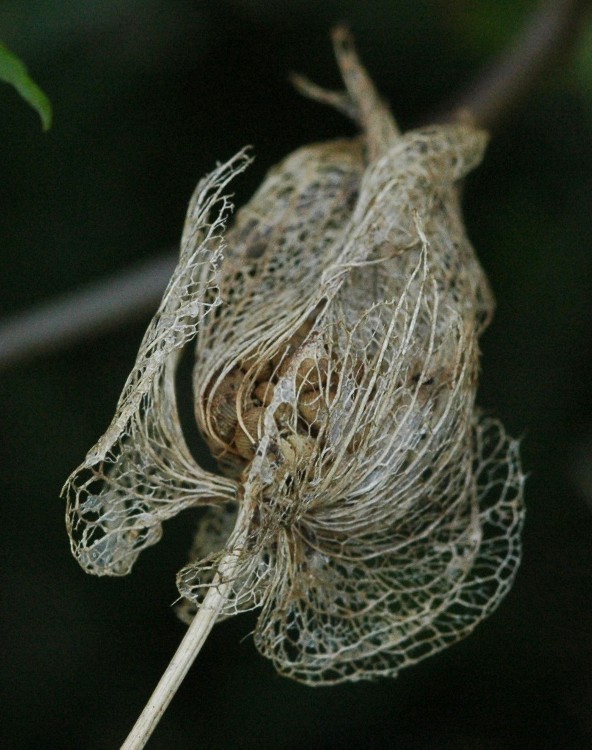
(314, 406)
(262, 369)
(284, 415)
(359, 439)
(221, 407)
(309, 372)
(264, 393)
(282, 356)
(394, 530)
(299, 337)
(248, 432)
(296, 451)
(357, 369)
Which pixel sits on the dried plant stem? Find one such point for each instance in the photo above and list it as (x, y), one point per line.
(190, 646)
(550, 34)
(178, 667)
(95, 308)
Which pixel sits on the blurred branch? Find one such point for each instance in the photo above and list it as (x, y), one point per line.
(549, 36)
(88, 311)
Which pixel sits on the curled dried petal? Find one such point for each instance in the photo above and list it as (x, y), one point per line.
(141, 471)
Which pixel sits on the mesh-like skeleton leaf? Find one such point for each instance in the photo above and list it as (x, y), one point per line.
(372, 513)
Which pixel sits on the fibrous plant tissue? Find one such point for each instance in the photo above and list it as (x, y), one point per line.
(362, 502)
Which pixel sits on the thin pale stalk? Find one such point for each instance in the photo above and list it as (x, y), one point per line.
(190, 646)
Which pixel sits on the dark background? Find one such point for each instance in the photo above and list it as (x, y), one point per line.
(148, 94)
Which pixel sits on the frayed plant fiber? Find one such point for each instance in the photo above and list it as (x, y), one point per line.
(336, 326)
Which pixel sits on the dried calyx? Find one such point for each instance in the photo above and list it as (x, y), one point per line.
(367, 508)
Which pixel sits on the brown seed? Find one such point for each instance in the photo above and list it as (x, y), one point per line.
(283, 412)
(280, 356)
(299, 337)
(262, 369)
(221, 406)
(264, 392)
(314, 407)
(311, 373)
(247, 434)
(285, 416)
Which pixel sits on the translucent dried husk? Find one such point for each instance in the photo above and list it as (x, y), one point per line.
(336, 363)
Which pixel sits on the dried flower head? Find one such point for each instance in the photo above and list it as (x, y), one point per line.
(362, 503)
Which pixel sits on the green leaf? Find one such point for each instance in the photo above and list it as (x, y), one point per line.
(13, 71)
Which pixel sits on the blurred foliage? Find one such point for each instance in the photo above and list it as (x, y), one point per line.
(150, 93)
(482, 27)
(14, 72)
(582, 67)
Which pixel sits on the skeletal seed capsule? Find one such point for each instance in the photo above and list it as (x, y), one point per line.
(311, 373)
(231, 465)
(222, 406)
(264, 392)
(280, 356)
(262, 368)
(296, 451)
(285, 416)
(283, 413)
(359, 439)
(247, 434)
(297, 338)
(357, 368)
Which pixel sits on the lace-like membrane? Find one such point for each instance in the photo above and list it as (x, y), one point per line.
(336, 325)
